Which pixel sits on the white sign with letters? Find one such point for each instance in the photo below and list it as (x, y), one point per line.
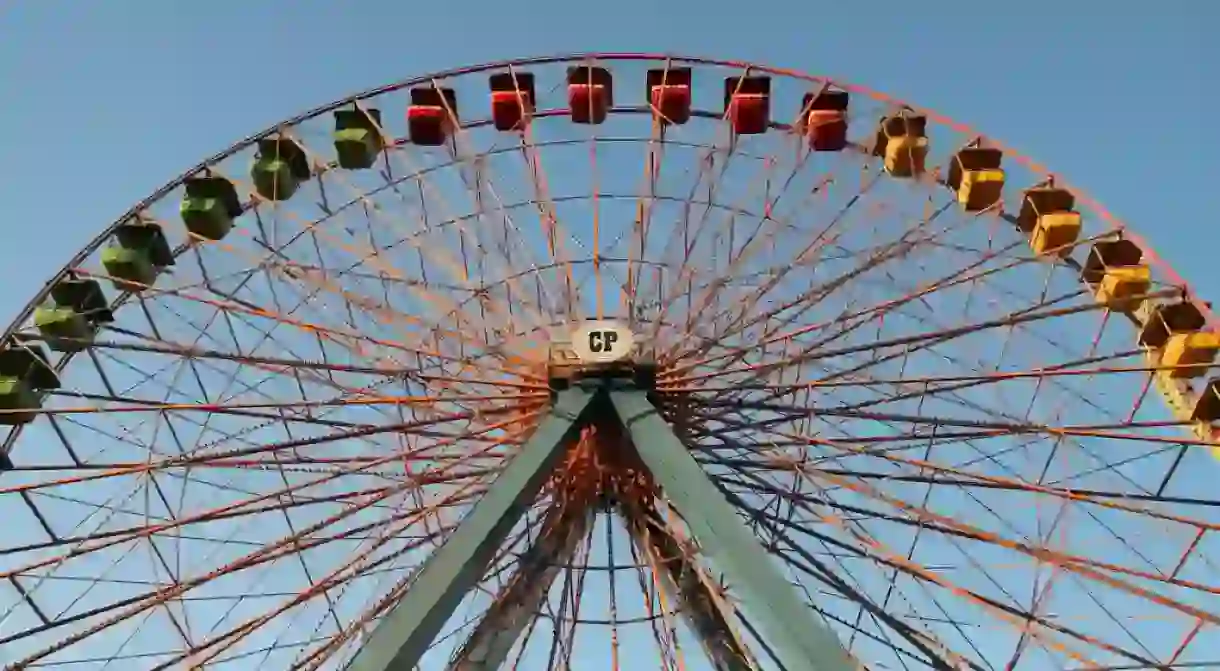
(602, 341)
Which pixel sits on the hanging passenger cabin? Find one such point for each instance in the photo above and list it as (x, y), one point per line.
(902, 143)
(747, 104)
(976, 177)
(280, 167)
(1177, 331)
(1049, 218)
(590, 93)
(358, 138)
(669, 95)
(210, 206)
(69, 320)
(825, 119)
(1116, 272)
(512, 99)
(137, 254)
(432, 117)
(26, 376)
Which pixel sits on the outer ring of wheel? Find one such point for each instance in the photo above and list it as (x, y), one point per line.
(26, 312)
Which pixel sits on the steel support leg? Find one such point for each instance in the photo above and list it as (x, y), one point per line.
(488, 647)
(683, 579)
(406, 632)
(799, 641)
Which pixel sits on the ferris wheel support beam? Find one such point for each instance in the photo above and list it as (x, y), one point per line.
(406, 632)
(488, 647)
(799, 642)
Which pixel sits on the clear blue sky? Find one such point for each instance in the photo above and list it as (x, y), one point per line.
(104, 102)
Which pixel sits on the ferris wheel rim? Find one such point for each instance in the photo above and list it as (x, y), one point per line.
(24, 314)
(167, 190)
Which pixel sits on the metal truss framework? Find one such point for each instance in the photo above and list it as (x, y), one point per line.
(795, 639)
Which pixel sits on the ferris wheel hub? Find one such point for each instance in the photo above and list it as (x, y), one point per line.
(600, 348)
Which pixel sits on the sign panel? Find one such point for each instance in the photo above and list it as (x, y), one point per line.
(602, 342)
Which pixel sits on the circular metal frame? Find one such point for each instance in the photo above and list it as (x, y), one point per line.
(24, 317)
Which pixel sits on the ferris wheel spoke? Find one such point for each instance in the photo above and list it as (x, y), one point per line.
(247, 313)
(825, 236)
(336, 579)
(211, 454)
(548, 221)
(370, 255)
(958, 532)
(1106, 464)
(461, 272)
(108, 538)
(136, 605)
(1011, 615)
(711, 295)
(926, 339)
(1078, 367)
(858, 522)
(1086, 569)
(651, 295)
(667, 256)
(775, 335)
(1014, 482)
(791, 413)
(851, 447)
(848, 587)
(351, 335)
(975, 272)
(727, 219)
(870, 258)
(1136, 552)
(637, 240)
(683, 278)
(813, 296)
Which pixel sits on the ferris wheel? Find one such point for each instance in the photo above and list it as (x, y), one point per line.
(614, 361)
